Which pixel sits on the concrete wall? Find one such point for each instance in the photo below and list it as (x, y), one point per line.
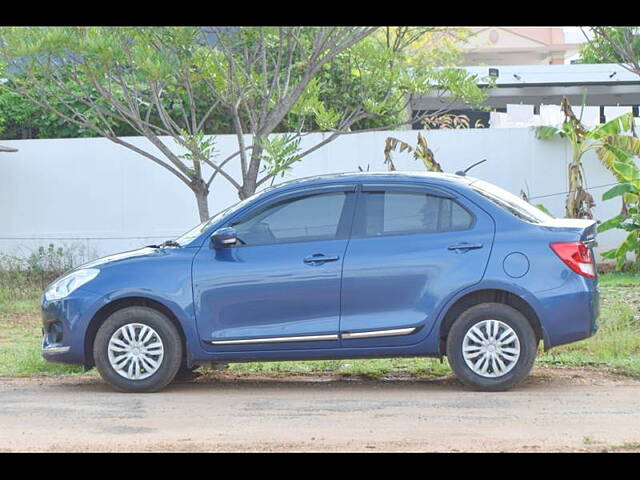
(97, 197)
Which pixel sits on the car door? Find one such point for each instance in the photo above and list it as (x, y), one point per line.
(411, 247)
(280, 287)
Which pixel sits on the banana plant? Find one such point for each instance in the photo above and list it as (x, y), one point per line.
(421, 152)
(611, 143)
(629, 218)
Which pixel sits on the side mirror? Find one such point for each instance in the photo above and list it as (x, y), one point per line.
(224, 237)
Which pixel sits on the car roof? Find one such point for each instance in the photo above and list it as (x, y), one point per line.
(362, 177)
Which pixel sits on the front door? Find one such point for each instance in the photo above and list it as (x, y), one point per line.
(280, 287)
(411, 247)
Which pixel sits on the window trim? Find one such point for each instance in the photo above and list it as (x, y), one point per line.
(345, 221)
(427, 189)
(357, 231)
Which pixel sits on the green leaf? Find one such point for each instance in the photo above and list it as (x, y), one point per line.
(544, 209)
(627, 170)
(611, 223)
(615, 126)
(618, 190)
(545, 132)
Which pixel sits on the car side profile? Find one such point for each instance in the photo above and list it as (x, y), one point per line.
(362, 265)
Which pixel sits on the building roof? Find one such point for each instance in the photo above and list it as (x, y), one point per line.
(571, 74)
(603, 84)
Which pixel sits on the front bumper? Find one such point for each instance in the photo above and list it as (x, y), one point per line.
(64, 326)
(49, 350)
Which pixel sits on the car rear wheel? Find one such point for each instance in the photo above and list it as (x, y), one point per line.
(491, 347)
(138, 349)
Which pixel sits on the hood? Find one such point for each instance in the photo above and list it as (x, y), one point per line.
(141, 252)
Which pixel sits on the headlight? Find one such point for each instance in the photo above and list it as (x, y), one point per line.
(67, 284)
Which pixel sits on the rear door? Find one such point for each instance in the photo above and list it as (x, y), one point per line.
(411, 246)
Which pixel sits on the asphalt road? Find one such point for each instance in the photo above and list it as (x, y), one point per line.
(554, 410)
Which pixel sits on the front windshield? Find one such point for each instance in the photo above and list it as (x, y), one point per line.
(510, 202)
(195, 232)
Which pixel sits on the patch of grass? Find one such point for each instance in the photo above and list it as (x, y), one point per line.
(20, 328)
(626, 446)
(19, 297)
(619, 278)
(590, 441)
(616, 345)
(369, 368)
(20, 349)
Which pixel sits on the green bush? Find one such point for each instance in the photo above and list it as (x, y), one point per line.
(23, 279)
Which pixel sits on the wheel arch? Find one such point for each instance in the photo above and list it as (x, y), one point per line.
(101, 315)
(493, 295)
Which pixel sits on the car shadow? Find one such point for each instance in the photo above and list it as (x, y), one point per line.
(227, 380)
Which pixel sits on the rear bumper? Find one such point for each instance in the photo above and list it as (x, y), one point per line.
(570, 313)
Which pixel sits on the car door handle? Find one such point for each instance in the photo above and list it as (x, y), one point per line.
(318, 258)
(464, 247)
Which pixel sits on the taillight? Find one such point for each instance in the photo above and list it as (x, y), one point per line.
(577, 256)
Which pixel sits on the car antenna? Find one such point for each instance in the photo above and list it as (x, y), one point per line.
(462, 173)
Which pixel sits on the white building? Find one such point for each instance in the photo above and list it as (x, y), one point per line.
(523, 45)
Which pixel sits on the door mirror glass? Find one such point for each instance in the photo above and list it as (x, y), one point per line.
(224, 237)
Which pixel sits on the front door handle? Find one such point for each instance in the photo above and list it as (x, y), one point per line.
(464, 247)
(319, 258)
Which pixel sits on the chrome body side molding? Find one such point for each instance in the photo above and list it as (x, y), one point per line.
(379, 333)
(315, 338)
(305, 338)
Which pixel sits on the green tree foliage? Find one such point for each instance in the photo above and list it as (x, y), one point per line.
(378, 76)
(614, 45)
(183, 83)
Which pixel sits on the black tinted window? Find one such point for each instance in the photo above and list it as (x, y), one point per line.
(315, 217)
(389, 213)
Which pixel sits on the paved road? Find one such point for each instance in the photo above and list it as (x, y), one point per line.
(553, 410)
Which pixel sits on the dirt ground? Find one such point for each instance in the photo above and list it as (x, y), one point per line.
(554, 410)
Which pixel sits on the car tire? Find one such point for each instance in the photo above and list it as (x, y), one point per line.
(483, 352)
(152, 343)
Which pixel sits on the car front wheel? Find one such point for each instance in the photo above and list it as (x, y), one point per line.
(138, 349)
(491, 347)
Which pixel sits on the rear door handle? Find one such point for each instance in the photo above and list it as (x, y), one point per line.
(464, 247)
(318, 258)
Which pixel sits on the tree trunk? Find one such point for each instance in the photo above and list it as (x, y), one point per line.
(201, 191)
(250, 177)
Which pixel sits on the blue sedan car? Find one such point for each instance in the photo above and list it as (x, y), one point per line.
(340, 266)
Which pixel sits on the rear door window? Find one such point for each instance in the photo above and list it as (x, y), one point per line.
(404, 212)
